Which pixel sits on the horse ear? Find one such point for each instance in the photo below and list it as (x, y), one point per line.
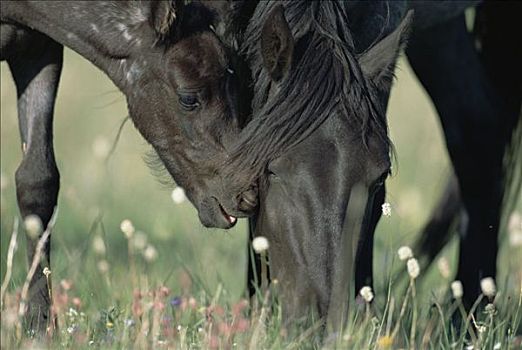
(277, 44)
(378, 62)
(166, 15)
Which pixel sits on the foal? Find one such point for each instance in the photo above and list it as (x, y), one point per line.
(182, 95)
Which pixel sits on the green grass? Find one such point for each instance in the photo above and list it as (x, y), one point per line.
(205, 268)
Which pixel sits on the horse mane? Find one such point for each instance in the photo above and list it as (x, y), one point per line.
(324, 78)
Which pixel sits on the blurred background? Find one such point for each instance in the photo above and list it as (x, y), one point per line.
(98, 193)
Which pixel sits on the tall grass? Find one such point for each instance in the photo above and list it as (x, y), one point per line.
(140, 310)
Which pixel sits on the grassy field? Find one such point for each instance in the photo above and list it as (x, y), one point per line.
(190, 294)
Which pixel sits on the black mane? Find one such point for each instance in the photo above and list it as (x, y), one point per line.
(325, 78)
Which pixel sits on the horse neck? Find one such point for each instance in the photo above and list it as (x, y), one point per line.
(110, 34)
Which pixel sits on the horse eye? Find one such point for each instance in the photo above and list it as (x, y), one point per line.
(189, 102)
(380, 181)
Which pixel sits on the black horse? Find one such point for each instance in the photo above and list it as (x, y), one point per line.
(322, 74)
(182, 92)
(338, 101)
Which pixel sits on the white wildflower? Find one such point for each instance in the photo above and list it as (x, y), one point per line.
(490, 309)
(413, 268)
(497, 346)
(150, 253)
(98, 245)
(72, 312)
(103, 266)
(444, 267)
(33, 226)
(70, 329)
(366, 293)
(405, 253)
(260, 244)
(178, 195)
(101, 147)
(386, 209)
(127, 228)
(487, 285)
(179, 328)
(457, 289)
(46, 271)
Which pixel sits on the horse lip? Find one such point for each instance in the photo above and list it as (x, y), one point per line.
(230, 219)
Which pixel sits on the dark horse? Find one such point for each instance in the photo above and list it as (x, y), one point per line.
(322, 190)
(181, 87)
(322, 74)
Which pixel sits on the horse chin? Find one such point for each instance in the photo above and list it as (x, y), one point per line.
(212, 215)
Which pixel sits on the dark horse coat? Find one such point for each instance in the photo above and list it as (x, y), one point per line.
(182, 90)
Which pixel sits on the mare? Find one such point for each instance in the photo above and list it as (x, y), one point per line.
(318, 141)
(323, 108)
(182, 92)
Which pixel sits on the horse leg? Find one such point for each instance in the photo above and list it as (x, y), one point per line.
(448, 217)
(364, 253)
(448, 66)
(494, 24)
(36, 75)
(494, 21)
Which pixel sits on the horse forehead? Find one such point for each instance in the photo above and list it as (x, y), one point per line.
(199, 57)
(336, 147)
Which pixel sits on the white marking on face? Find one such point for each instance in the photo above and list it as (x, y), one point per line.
(124, 31)
(71, 36)
(134, 72)
(94, 28)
